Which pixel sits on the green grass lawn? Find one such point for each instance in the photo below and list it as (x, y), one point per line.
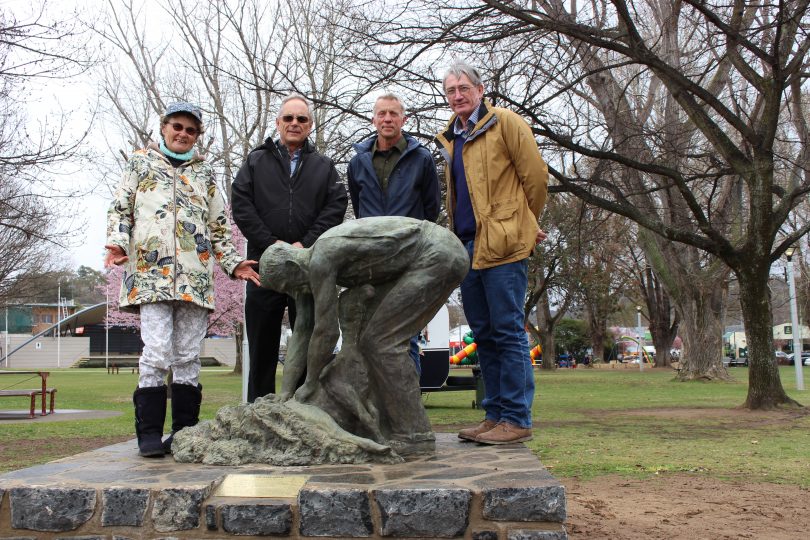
(588, 422)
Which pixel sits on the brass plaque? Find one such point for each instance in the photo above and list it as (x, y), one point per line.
(260, 485)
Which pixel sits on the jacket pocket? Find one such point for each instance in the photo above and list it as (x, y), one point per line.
(501, 230)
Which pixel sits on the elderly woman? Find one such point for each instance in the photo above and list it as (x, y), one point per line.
(168, 225)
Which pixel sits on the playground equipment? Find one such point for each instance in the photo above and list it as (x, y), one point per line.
(536, 355)
(644, 355)
(463, 354)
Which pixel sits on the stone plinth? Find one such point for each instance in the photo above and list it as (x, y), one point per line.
(463, 491)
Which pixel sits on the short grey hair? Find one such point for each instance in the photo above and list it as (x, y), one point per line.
(393, 97)
(295, 95)
(459, 68)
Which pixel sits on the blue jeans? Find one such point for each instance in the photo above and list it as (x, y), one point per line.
(493, 304)
(413, 350)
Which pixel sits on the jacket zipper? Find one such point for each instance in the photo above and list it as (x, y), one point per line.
(293, 177)
(174, 235)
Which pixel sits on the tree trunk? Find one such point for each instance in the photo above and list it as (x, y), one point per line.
(238, 337)
(765, 389)
(546, 324)
(663, 324)
(662, 342)
(702, 332)
(691, 283)
(597, 326)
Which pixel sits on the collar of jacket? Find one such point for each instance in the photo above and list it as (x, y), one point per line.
(274, 147)
(364, 147)
(486, 117)
(486, 120)
(153, 147)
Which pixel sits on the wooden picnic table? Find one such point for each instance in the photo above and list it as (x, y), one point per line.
(44, 391)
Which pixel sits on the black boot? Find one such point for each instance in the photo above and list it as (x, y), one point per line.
(150, 414)
(186, 401)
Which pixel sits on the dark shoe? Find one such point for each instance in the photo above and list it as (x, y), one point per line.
(150, 415)
(471, 434)
(505, 433)
(186, 400)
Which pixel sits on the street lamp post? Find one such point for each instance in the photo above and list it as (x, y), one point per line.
(59, 322)
(107, 324)
(794, 320)
(640, 339)
(5, 338)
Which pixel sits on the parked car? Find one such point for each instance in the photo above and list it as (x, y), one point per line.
(781, 357)
(741, 361)
(806, 361)
(805, 357)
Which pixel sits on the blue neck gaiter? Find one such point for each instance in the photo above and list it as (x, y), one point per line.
(183, 157)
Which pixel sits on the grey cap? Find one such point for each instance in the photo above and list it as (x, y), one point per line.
(183, 107)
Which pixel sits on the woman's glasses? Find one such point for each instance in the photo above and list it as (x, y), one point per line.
(288, 118)
(177, 126)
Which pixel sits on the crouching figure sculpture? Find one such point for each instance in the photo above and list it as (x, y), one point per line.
(395, 273)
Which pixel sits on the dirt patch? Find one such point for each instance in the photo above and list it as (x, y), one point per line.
(684, 506)
(18, 454)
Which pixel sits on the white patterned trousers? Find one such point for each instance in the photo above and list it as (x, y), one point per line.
(171, 334)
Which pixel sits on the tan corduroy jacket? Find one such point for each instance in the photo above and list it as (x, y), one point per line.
(508, 183)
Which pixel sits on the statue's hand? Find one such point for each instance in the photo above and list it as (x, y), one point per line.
(304, 393)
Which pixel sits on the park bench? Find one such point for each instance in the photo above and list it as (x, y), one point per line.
(31, 393)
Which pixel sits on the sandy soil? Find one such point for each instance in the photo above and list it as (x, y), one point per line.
(688, 506)
(685, 506)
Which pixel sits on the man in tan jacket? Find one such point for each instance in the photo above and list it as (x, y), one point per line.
(497, 185)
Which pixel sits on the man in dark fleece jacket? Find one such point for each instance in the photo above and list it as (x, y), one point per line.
(393, 175)
(285, 192)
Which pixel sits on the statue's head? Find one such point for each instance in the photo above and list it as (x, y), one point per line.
(284, 268)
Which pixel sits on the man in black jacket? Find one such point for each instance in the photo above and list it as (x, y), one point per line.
(284, 193)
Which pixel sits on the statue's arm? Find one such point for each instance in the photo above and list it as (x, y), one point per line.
(297, 346)
(325, 331)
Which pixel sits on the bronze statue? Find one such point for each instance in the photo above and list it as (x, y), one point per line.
(397, 272)
(363, 403)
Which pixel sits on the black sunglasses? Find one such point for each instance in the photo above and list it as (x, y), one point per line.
(177, 126)
(289, 118)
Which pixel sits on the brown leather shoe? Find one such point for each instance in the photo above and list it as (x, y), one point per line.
(505, 433)
(471, 434)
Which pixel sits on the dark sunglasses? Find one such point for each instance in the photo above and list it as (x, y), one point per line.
(177, 126)
(301, 119)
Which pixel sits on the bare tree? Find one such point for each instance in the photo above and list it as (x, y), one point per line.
(601, 285)
(35, 223)
(551, 269)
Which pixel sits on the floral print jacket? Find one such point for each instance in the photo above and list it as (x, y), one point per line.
(171, 222)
